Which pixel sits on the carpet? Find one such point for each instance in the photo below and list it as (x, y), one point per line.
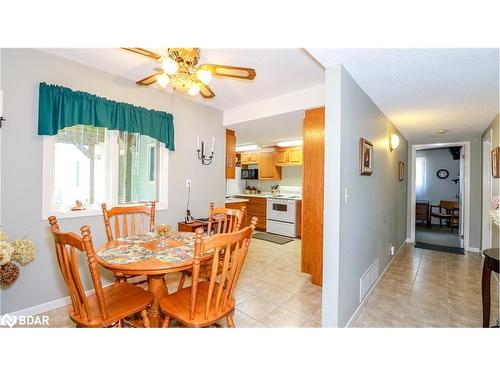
(446, 249)
(274, 238)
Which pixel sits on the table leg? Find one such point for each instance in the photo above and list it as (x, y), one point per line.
(156, 285)
(485, 286)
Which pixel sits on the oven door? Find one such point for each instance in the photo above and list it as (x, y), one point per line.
(281, 211)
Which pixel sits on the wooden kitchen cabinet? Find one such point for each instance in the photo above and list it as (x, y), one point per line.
(267, 166)
(295, 156)
(249, 158)
(256, 206)
(289, 156)
(230, 154)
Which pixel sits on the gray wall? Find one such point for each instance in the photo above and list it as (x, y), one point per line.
(475, 184)
(21, 158)
(374, 217)
(495, 182)
(439, 189)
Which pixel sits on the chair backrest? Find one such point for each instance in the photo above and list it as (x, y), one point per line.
(228, 249)
(449, 205)
(224, 220)
(65, 245)
(135, 219)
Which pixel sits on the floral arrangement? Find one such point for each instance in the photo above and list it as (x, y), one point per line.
(18, 251)
(495, 211)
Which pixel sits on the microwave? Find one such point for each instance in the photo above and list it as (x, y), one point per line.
(249, 174)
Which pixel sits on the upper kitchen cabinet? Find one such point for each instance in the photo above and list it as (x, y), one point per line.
(230, 154)
(249, 158)
(268, 170)
(289, 156)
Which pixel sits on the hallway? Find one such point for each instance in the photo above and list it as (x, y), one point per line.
(425, 288)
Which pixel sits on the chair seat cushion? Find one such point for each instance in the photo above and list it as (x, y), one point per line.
(122, 299)
(177, 306)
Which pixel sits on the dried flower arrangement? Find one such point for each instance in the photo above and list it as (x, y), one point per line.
(19, 251)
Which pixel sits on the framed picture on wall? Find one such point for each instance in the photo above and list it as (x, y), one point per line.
(495, 162)
(401, 171)
(365, 157)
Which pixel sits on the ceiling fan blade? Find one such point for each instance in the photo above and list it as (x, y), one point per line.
(144, 52)
(230, 71)
(148, 80)
(205, 91)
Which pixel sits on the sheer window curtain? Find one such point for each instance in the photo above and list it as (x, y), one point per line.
(420, 183)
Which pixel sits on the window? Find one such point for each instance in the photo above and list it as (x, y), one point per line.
(420, 183)
(95, 165)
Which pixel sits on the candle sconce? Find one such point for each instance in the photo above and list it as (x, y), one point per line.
(200, 150)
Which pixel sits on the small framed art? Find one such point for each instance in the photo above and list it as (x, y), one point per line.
(401, 171)
(365, 157)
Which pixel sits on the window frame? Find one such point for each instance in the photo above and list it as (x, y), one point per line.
(112, 179)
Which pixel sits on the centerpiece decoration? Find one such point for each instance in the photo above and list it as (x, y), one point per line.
(20, 251)
(495, 211)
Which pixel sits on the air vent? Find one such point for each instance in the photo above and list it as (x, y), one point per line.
(368, 279)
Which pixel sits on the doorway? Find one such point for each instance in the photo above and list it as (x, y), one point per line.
(440, 196)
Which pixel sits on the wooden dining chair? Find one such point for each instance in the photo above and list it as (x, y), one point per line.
(105, 307)
(224, 220)
(208, 300)
(448, 211)
(220, 220)
(129, 220)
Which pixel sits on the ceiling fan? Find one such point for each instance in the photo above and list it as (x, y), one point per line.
(180, 68)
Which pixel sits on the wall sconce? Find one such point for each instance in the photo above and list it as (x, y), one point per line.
(393, 142)
(200, 150)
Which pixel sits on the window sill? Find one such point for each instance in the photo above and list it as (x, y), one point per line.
(68, 214)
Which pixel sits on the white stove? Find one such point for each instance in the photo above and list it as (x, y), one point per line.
(281, 215)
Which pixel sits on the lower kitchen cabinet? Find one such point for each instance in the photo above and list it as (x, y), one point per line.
(256, 206)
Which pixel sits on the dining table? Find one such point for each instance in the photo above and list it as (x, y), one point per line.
(147, 255)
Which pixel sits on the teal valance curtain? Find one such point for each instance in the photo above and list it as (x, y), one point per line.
(60, 107)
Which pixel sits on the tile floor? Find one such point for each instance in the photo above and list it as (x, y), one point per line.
(425, 288)
(422, 288)
(272, 292)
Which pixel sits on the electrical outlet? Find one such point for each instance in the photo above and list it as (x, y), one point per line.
(392, 250)
(347, 195)
(188, 183)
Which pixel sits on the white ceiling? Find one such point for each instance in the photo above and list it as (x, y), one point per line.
(270, 130)
(279, 71)
(423, 90)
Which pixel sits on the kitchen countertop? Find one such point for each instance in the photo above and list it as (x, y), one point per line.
(265, 195)
(235, 200)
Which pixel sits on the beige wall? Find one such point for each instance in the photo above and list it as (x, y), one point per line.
(21, 169)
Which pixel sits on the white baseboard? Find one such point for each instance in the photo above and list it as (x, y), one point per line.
(51, 305)
(474, 249)
(365, 300)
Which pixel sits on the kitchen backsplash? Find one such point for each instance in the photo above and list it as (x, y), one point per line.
(290, 177)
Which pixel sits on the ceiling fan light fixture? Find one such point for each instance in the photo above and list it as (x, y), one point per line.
(169, 65)
(163, 79)
(194, 89)
(204, 75)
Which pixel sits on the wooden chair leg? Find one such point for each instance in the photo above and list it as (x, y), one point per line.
(145, 318)
(166, 322)
(230, 321)
(181, 281)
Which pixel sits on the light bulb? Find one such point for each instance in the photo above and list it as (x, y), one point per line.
(204, 76)
(194, 89)
(162, 80)
(169, 65)
(394, 141)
